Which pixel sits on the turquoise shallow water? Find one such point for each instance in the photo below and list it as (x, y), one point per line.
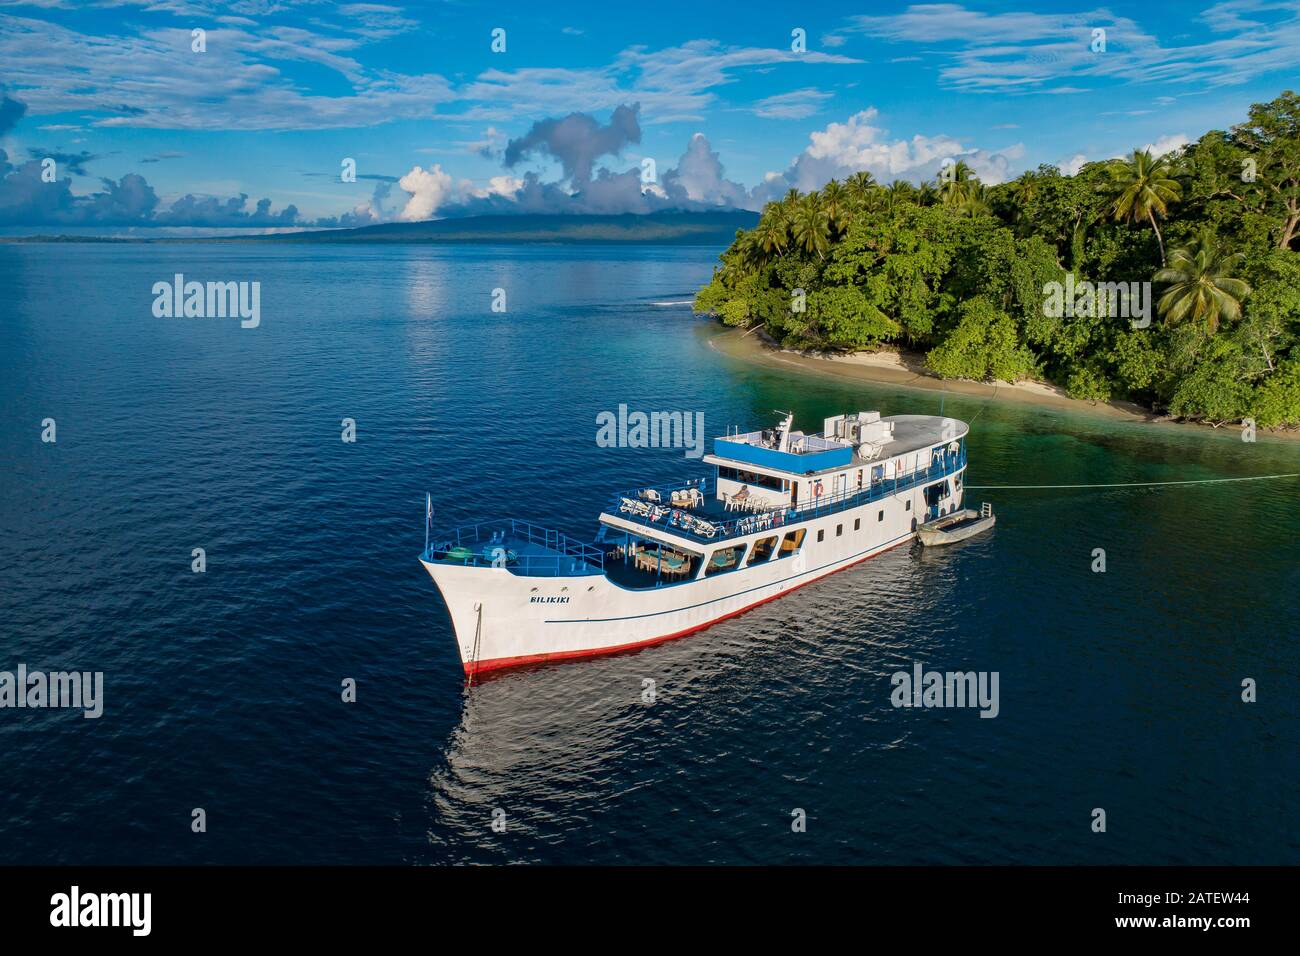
(1118, 690)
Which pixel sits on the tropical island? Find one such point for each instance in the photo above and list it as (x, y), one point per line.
(1169, 281)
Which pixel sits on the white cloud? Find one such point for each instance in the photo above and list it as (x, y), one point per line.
(797, 104)
(429, 189)
(503, 186)
(1071, 166)
(841, 149)
(699, 176)
(1021, 52)
(151, 79)
(1167, 144)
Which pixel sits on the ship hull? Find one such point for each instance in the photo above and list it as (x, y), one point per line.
(504, 620)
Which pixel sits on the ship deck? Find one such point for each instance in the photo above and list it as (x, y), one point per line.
(519, 547)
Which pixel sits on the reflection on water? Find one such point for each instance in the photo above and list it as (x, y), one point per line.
(544, 744)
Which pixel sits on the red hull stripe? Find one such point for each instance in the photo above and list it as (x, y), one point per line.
(502, 663)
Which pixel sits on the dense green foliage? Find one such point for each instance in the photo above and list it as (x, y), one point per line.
(962, 272)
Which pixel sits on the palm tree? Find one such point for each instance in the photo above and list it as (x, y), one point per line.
(811, 226)
(974, 200)
(773, 232)
(835, 202)
(926, 194)
(1024, 190)
(1025, 187)
(749, 254)
(954, 185)
(1202, 288)
(861, 187)
(1144, 186)
(862, 181)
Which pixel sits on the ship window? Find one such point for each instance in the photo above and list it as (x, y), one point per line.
(880, 516)
(791, 543)
(857, 524)
(839, 530)
(750, 478)
(821, 534)
(908, 506)
(724, 560)
(762, 550)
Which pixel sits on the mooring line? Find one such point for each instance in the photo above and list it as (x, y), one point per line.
(1134, 484)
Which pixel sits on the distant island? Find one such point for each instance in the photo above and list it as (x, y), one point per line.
(717, 228)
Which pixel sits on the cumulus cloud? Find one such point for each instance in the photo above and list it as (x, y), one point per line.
(841, 149)
(576, 141)
(211, 212)
(697, 182)
(1167, 144)
(699, 177)
(368, 213)
(428, 188)
(1071, 166)
(26, 199)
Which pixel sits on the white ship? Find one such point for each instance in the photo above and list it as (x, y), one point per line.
(781, 509)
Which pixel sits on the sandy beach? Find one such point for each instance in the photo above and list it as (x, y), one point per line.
(907, 370)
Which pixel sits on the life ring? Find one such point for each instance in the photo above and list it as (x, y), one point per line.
(818, 488)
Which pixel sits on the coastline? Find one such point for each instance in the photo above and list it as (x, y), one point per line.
(906, 370)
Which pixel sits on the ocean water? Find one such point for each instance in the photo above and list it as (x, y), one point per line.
(1118, 690)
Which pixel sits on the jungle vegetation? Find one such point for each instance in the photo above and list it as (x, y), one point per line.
(960, 271)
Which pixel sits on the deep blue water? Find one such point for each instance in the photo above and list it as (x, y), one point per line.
(1118, 690)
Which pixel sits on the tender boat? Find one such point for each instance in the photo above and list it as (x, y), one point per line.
(779, 510)
(957, 526)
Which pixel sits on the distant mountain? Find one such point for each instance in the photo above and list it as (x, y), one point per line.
(673, 227)
(680, 228)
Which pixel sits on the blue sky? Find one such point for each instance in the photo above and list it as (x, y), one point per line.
(716, 97)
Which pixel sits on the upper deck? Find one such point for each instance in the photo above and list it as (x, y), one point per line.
(772, 477)
(846, 439)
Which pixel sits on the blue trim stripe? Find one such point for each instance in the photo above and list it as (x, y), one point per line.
(786, 461)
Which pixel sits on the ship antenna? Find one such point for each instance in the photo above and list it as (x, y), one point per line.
(783, 430)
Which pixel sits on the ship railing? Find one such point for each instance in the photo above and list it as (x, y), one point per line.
(489, 544)
(663, 494)
(800, 445)
(680, 521)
